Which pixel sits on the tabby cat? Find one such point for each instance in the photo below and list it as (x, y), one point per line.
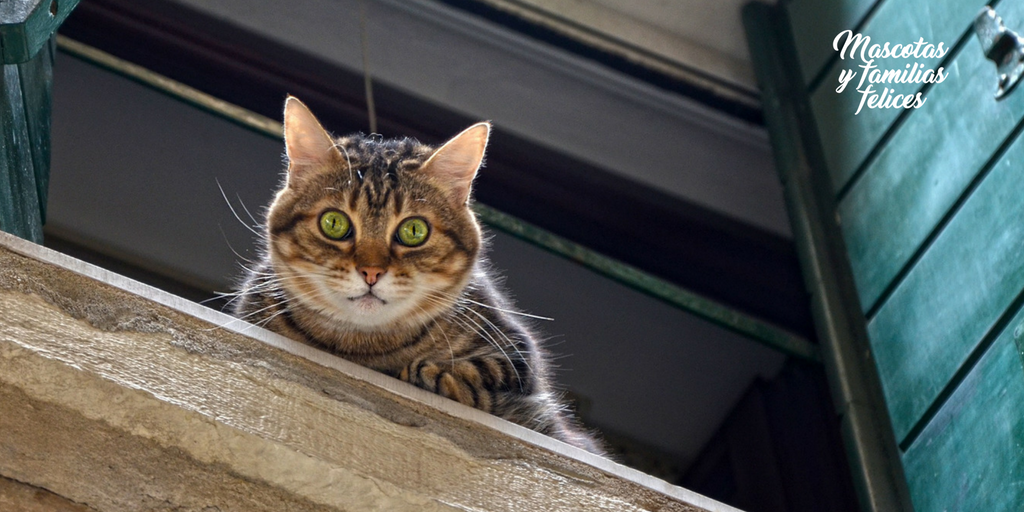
(373, 253)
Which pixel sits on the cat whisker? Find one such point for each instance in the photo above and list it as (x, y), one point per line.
(512, 344)
(502, 334)
(263, 323)
(233, 212)
(266, 282)
(430, 332)
(509, 311)
(282, 303)
(219, 296)
(464, 320)
(279, 303)
(228, 243)
(255, 222)
(482, 317)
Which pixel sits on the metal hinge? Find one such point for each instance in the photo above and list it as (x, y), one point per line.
(1002, 46)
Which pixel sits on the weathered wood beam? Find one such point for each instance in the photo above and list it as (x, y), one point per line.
(117, 396)
(15, 495)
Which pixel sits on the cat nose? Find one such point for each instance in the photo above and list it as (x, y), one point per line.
(371, 274)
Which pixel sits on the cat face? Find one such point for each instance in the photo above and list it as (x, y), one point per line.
(374, 234)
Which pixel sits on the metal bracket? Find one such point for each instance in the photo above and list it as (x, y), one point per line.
(1002, 46)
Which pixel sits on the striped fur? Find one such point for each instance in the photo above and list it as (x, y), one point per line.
(434, 317)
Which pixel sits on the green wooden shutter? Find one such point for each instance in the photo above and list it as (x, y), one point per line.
(26, 55)
(923, 212)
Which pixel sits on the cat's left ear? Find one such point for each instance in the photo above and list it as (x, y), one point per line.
(455, 163)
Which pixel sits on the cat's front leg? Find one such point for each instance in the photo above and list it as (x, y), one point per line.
(460, 381)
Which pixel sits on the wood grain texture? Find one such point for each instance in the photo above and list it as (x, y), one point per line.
(16, 496)
(926, 166)
(847, 138)
(970, 456)
(163, 402)
(954, 294)
(819, 22)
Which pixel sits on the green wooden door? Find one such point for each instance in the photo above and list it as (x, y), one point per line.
(926, 206)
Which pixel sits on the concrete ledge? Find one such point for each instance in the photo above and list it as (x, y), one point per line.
(117, 396)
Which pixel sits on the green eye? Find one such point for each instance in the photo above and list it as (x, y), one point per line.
(413, 232)
(335, 225)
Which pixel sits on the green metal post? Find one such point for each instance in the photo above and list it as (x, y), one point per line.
(26, 53)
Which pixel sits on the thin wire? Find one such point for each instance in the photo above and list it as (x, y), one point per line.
(371, 110)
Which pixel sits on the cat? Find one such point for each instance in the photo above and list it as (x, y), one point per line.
(373, 253)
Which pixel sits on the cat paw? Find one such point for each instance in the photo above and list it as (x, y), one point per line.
(461, 382)
(456, 389)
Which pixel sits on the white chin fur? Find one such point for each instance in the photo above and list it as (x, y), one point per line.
(350, 302)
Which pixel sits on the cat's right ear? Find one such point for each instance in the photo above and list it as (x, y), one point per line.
(306, 142)
(455, 163)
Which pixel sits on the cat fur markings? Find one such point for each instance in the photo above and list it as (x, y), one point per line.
(372, 252)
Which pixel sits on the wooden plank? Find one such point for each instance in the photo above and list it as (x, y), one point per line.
(970, 456)
(816, 23)
(846, 137)
(926, 166)
(163, 403)
(26, 498)
(954, 294)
